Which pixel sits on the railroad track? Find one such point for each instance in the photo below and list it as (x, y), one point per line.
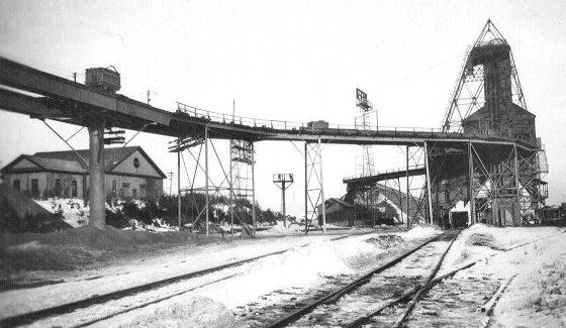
(407, 299)
(31, 317)
(35, 316)
(366, 278)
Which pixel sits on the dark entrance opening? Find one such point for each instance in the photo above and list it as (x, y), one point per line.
(459, 219)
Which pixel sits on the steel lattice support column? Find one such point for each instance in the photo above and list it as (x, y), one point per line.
(428, 184)
(314, 186)
(495, 194)
(532, 189)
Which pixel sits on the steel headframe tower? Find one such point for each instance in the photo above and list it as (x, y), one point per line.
(283, 181)
(479, 81)
(488, 99)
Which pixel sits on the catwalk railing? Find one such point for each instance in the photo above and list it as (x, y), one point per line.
(388, 171)
(281, 124)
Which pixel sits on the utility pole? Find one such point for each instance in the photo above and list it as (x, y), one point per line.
(283, 181)
(408, 189)
(75, 76)
(179, 182)
(232, 200)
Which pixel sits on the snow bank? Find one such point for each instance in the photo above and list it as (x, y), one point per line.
(195, 313)
(480, 240)
(537, 296)
(300, 268)
(420, 232)
(76, 248)
(552, 290)
(386, 241)
(279, 229)
(72, 209)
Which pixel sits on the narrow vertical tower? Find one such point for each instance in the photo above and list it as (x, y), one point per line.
(365, 119)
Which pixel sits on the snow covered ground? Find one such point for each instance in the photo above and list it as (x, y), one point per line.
(123, 272)
(74, 211)
(536, 298)
(300, 269)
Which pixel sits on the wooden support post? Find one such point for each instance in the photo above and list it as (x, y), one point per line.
(253, 191)
(471, 195)
(516, 170)
(96, 172)
(206, 173)
(283, 187)
(179, 182)
(232, 199)
(408, 190)
(517, 182)
(232, 205)
(306, 191)
(428, 186)
(400, 199)
(323, 206)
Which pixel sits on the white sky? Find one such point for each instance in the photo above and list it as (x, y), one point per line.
(291, 60)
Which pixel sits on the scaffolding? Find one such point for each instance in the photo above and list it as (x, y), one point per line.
(235, 184)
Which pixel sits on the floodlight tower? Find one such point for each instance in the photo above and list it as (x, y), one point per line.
(283, 181)
(365, 119)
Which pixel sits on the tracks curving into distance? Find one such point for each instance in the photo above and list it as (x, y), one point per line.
(34, 316)
(410, 298)
(337, 294)
(420, 289)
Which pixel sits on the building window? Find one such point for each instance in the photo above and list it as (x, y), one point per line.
(134, 193)
(114, 187)
(16, 184)
(74, 188)
(136, 163)
(34, 188)
(125, 185)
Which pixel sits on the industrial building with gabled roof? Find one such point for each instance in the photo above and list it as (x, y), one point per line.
(129, 173)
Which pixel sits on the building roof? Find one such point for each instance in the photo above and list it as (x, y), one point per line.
(68, 161)
(54, 164)
(338, 201)
(486, 109)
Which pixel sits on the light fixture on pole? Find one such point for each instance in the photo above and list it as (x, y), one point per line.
(283, 181)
